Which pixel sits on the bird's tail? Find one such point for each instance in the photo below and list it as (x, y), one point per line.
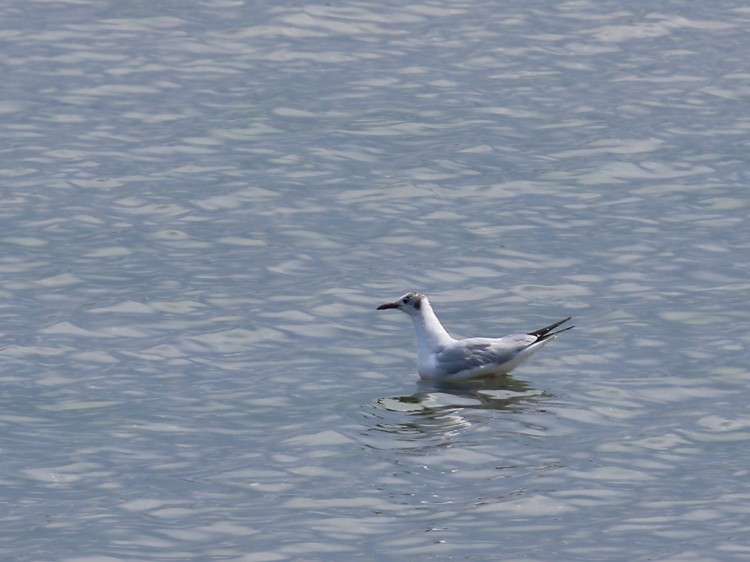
(546, 332)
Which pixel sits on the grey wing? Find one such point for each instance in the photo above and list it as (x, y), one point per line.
(474, 353)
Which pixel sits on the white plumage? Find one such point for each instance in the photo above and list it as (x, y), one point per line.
(444, 358)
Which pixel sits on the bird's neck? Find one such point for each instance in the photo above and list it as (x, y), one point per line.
(430, 332)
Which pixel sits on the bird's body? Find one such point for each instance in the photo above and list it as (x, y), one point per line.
(441, 357)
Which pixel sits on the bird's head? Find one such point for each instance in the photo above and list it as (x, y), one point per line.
(410, 303)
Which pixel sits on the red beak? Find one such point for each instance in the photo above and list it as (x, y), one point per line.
(387, 306)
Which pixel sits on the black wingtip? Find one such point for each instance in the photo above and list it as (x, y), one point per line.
(546, 332)
(552, 334)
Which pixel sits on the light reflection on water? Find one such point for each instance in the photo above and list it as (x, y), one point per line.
(202, 205)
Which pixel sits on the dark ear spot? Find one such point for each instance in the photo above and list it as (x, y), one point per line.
(418, 304)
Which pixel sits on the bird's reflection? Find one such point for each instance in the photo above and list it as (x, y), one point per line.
(435, 409)
(499, 393)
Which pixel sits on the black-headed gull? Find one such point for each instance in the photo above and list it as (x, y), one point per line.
(441, 357)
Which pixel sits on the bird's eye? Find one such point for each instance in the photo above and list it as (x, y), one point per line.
(405, 300)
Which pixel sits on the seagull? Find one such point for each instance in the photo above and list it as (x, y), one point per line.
(441, 357)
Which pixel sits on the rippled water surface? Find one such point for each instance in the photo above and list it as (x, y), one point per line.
(203, 203)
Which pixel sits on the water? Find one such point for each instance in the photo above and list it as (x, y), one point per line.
(203, 205)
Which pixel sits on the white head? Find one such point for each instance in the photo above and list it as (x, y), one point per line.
(410, 303)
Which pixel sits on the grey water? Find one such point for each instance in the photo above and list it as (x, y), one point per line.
(202, 203)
